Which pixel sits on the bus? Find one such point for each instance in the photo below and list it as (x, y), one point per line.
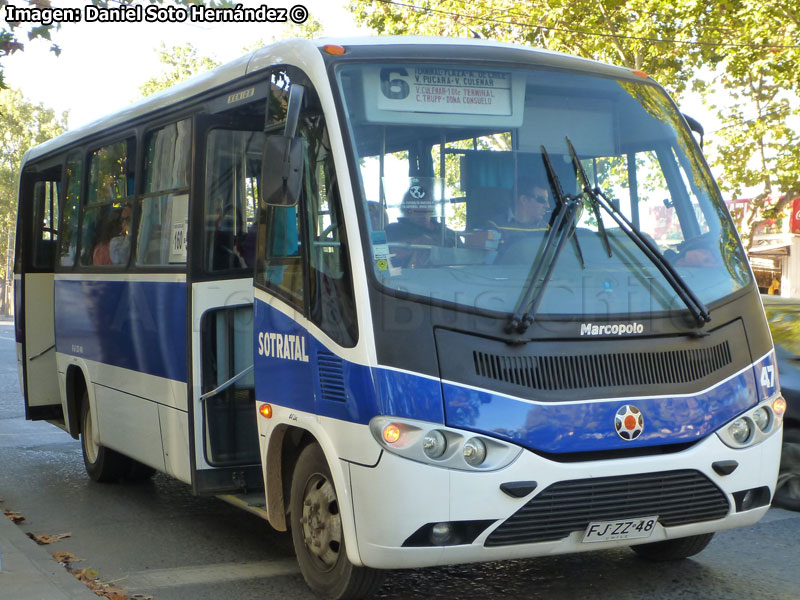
(309, 282)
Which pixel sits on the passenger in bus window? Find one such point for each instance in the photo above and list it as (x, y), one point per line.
(418, 229)
(101, 255)
(698, 252)
(120, 245)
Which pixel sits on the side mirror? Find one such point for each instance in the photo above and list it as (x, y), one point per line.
(283, 159)
(695, 126)
(282, 165)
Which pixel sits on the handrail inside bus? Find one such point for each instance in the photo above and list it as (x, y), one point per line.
(227, 384)
(43, 352)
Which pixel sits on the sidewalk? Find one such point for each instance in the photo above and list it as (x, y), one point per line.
(28, 571)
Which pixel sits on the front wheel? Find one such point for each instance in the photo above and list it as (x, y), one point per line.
(102, 464)
(676, 549)
(787, 492)
(317, 535)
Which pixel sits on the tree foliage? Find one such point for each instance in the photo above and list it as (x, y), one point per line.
(752, 48)
(180, 62)
(23, 125)
(757, 147)
(639, 34)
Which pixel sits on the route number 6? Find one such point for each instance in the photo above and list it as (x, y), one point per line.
(768, 376)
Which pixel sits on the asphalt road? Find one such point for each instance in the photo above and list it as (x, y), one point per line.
(157, 539)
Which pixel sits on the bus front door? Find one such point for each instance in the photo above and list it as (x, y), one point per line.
(39, 207)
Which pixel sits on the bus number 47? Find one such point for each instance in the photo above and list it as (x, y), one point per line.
(768, 376)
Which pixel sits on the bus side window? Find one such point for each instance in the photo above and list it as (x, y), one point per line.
(164, 215)
(45, 220)
(332, 302)
(106, 227)
(233, 164)
(280, 263)
(68, 243)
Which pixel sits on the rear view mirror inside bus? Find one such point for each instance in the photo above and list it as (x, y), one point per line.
(282, 170)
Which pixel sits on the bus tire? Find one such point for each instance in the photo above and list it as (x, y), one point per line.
(103, 465)
(318, 536)
(676, 549)
(787, 492)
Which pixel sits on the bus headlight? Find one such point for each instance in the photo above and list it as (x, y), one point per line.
(474, 452)
(433, 444)
(761, 418)
(754, 426)
(740, 430)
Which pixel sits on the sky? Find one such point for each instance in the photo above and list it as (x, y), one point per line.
(103, 64)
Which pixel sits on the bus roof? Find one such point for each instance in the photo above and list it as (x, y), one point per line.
(276, 54)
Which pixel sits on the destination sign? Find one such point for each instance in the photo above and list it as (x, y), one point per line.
(443, 89)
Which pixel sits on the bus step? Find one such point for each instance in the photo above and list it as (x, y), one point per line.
(254, 502)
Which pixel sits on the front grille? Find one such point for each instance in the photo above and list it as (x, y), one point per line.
(560, 372)
(677, 497)
(331, 376)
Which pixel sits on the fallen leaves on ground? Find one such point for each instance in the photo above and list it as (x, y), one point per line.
(65, 558)
(14, 516)
(43, 540)
(91, 579)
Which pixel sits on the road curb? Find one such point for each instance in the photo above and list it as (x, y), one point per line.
(29, 572)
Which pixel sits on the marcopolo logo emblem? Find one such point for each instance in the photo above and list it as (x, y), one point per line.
(629, 422)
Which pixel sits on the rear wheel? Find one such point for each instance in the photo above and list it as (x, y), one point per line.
(317, 533)
(102, 464)
(787, 492)
(676, 549)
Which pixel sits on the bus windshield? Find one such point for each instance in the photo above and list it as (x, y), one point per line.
(459, 200)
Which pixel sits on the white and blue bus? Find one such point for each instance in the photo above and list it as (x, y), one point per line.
(307, 282)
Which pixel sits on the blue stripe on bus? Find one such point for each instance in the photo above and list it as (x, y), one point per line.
(283, 378)
(136, 325)
(583, 427)
(550, 427)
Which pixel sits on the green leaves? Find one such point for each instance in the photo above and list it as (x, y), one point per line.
(22, 125)
(180, 62)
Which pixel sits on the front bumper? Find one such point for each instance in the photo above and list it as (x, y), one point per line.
(396, 497)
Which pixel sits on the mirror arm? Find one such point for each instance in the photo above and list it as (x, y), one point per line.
(695, 126)
(296, 93)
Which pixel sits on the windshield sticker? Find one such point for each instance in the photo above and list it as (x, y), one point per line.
(380, 251)
(178, 229)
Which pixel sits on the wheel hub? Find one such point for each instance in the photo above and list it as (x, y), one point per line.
(89, 442)
(322, 524)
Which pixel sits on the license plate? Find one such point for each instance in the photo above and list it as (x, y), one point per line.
(623, 529)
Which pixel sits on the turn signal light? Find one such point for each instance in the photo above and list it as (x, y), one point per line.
(265, 410)
(391, 433)
(334, 49)
(779, 406)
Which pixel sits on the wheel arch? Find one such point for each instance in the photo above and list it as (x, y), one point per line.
(76, 385)
(283, 447)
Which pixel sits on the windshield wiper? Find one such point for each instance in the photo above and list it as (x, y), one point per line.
(587, 190)
(562, 226)
(650, 250)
